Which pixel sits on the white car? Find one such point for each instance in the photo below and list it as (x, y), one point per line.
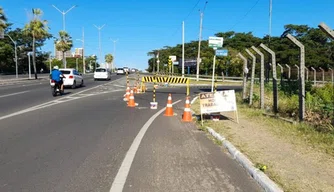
(102, 73)
(120, 71)
(72, 78)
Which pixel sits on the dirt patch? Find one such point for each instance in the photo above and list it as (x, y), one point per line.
(291, 162)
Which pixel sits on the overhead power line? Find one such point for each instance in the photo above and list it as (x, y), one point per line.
(244, 15)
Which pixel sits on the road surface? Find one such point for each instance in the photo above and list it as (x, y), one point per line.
(80, 142)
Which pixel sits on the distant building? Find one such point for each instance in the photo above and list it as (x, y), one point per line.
(78, 52)
(59, 54)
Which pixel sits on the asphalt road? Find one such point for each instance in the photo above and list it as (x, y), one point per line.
(24, 94)
(78, 143)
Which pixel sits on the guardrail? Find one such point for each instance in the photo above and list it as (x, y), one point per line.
(193, 77)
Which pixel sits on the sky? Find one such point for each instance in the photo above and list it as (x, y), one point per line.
(141, 26)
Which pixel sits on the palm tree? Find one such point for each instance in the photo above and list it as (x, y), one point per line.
(63, 44)
(3, 20)
(109, 59)
(38, 30)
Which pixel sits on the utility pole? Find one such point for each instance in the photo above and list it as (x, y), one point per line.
(100, 49)
(114, 53)
(64, 13)
(16, 66)
(270, 17)
(158, 62)
(83, 51)
(183, 49)
(199, 47)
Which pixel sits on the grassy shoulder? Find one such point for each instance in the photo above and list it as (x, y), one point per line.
(298, 157)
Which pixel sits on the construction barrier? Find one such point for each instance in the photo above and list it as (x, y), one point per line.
(174, 80)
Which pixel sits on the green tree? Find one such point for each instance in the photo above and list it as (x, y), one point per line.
(319, 50)
(3, 19)
(38, 30)
(64, 43)
(109, 58)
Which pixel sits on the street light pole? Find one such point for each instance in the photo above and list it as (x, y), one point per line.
(199, 47)
(83, 50)
(64, 13)
(99, 28)
(29, 53)
(16, 66)
(50, 58)
(114, 53)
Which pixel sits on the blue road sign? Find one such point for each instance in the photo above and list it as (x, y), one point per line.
(221, 52)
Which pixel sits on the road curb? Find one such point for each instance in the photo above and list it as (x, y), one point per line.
(262, 179)
(265, 182)
(22, 79)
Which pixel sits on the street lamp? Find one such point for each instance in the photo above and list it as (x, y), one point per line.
(50, 58)
(99, 28)
(16, 67)
(83, 50)
(113, 61)
(64, 13)
(29, 54)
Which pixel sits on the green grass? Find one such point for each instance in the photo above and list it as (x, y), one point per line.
(300, 132)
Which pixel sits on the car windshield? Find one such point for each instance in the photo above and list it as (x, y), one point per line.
(120, 69)
(65, 72)
(100, 70)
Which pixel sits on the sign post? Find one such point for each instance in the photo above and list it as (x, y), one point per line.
(215, 43)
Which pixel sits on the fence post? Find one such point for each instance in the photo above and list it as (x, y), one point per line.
(323, 75)
(326, 29)
(306, 69)
(244, 75)
(252, 78)
(301, 77)
(332, 75)
(314, 76)
(282, 71)
(261, 77)
(289, 71)
(297, 71)
(275, 91)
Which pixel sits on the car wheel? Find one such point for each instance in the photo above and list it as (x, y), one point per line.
(74, 85)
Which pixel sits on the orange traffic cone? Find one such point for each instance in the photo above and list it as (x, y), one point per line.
(186, 117)
(127, 94)
(138, 89)
(169, 107)
(135, 89)
(131, 102)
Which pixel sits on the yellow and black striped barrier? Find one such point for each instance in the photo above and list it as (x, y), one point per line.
(173, 80)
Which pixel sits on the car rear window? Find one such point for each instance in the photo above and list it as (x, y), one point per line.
(65, 72)
(120, 69)
(100, 70)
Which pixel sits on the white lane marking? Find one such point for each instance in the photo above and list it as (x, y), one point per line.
(50, 103)
(18, 93)
(120, 179)
(119, 85)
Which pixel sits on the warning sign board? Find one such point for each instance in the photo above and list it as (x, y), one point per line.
(221, 101)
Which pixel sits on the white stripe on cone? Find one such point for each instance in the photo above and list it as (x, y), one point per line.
(169, 105)
(169, 98)
(187, 109)
(187, 101)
